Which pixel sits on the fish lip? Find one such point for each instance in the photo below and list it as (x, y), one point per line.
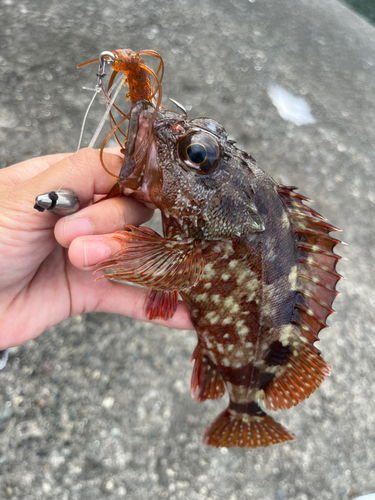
(136, 152)
(146, 175)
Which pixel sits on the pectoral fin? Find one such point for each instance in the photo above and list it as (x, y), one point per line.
(148, 259)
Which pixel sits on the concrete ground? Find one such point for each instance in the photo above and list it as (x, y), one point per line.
(99, 406)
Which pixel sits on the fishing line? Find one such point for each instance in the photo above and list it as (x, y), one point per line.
(52, 194)
(107, 111)
(99, 128)
(97, 90)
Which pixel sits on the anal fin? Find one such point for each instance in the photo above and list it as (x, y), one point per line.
(206, 380)
(298, 379)
(161, 304)
(245, 430)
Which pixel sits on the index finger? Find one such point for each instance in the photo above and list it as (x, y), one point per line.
(27, 169)
(86, 179)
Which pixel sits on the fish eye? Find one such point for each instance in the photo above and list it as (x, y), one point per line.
(196, 153)
(200, 151)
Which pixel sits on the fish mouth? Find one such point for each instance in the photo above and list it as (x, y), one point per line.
(139, 174)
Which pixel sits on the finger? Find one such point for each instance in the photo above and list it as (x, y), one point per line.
(86, 252)
(25, 170)
(105, 217)
(128, 300)
(86, 178)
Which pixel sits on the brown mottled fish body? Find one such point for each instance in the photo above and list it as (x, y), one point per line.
(241, 309)
(253, 263)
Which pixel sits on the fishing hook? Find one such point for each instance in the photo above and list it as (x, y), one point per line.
(180, 106)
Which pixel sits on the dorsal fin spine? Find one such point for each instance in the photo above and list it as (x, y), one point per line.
(316, 273)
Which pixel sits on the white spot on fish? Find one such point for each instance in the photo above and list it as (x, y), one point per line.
(290, 108)
(220, 348)
(293, 278)
(286, 333)
(228, 251)
(226, 336)
(201, 297)
(216, 299)
(251, 297)
(212, 317)
(246, 274)
(285, 221)
(235, 309)
(259, 362)
(207, 286)
(208, 272)
(225, 362)
(259, 395)
(227, 321)
(225, 276)
(252, 285)
(229, 301)
(241, 328)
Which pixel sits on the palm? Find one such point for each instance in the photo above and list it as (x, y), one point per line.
(44, 288)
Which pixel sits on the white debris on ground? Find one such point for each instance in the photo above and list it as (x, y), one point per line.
(291, 108)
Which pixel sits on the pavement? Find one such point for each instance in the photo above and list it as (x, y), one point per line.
(99, 406)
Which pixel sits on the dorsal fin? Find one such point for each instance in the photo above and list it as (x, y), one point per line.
(316, 290)
(316, 271)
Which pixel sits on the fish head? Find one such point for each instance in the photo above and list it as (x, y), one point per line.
(194, 174)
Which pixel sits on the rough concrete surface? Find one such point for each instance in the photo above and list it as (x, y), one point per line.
(99, 406)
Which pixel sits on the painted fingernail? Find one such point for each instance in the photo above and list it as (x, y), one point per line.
(95, 252)
(77, 226)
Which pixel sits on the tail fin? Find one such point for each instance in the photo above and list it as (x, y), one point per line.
(246, 430)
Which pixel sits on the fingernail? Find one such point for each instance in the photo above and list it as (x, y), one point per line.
(77, 226)
(95, 252)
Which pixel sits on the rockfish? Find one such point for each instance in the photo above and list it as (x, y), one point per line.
(254, 264)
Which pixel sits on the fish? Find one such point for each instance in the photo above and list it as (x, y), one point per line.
(254, 264)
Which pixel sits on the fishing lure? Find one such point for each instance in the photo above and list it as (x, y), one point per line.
(254, 264)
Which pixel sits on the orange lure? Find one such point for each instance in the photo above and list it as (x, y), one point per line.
(144, 85)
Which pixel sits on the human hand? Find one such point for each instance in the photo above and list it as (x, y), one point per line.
(47, 263)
